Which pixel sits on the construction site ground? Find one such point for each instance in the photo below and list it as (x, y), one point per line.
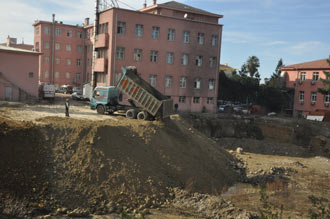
(102, 166)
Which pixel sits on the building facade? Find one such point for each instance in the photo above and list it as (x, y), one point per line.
(304, 78)
(18, 82)
(175, 47)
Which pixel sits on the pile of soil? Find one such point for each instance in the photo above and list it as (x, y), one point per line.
(105, 166)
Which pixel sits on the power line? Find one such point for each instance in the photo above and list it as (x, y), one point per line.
(127, 5)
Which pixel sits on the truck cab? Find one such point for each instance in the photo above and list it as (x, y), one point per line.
(103, 98)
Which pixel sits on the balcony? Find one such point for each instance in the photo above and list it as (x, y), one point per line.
(102, 40)
(101, 65)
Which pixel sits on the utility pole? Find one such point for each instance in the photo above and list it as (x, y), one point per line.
(95, 32)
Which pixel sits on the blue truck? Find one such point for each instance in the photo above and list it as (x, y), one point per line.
(146, 103)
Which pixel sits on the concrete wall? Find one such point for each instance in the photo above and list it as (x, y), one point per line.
(15, 68)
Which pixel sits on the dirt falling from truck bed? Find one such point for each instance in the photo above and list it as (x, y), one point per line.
(106, 165)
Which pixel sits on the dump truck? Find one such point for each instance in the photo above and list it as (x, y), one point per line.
(146, 103)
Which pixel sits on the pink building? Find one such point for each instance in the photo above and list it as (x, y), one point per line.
(175, 47)
(18, 82)
(304, 78)
(12, 42)
(63, 51)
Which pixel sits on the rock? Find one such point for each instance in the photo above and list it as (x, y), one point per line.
(78, 212)
(61, 211)
(239, 150)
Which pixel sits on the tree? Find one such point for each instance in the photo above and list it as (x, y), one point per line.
(275, 80)
(277, 72)
(326, 82)
(243, 70)
(252, 65)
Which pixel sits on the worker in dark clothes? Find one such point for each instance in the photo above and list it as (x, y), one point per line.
(67, 105)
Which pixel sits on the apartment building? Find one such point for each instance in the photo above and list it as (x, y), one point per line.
(12, 42)
(304, 78)
(175, 47)
(63, 49)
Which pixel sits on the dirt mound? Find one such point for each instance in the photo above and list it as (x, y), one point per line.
(105, 166)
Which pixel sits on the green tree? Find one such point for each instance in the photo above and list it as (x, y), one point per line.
(326, 82)
(243, 70)
(277, 72)
(252, 65)
(275, 80)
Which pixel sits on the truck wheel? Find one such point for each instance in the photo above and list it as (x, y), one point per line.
(131, 114)
(100, 109)
(142, 115)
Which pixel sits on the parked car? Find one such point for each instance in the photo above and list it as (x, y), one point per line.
(77, 89)
(65, 89)
(77, 96)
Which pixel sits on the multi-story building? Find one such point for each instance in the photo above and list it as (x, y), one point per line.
(175, 47)
(304, 78)
(63, 49)
(12, 42)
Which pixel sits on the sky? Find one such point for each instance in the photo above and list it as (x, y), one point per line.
(294, 30)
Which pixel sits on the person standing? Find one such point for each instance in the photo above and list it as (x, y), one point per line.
(67, 105)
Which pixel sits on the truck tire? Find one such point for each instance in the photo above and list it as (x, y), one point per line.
(142, 115)
(131, 114)
(100, 109)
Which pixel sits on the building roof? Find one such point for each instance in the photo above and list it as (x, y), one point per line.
(318, 64)
(182, 7)
(12, 49)
(226, 67)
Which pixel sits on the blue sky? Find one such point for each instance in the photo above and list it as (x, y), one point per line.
(294, 30)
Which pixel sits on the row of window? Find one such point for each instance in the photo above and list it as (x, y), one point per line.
(58, 61)
(67, 75)
(171, 34)
(58, 32)
(196, 100)
(68, 47)
(313, 97)
(154, 57)
(315, 76)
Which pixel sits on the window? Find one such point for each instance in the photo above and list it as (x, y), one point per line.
(196, 100)
(46, 59)
(68, 75)
(327, 98)
(184, 59)
(47, 30)
(153, 80)
(197, 83)
(138, 55)
(213, 61)
(139, 30)
(46, 74)
(199, 61)
(313, 97)
(58, 31)
(210, 100)
(68, 47)
(58, 60)
(211, 84)
(183, 82)
(78, 76)
(78, 62)
(30, 74)
(171, 35)
(169, 57)
(301, 96)
(37, 46)
(303, 76)
(57, 46)
(46, 45)
(154, 56)
(69, 33)
(186, 36)
(57, 74)
(103, 53)
(37, 30)
(120, 53)
(200, 38)
(214, 40)
(79, 34)
(118, 77)
(79, 48)
(168, 82)
(68, 61)
(155, 32)
(121, 27)
(182, 99)
(315, 76)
